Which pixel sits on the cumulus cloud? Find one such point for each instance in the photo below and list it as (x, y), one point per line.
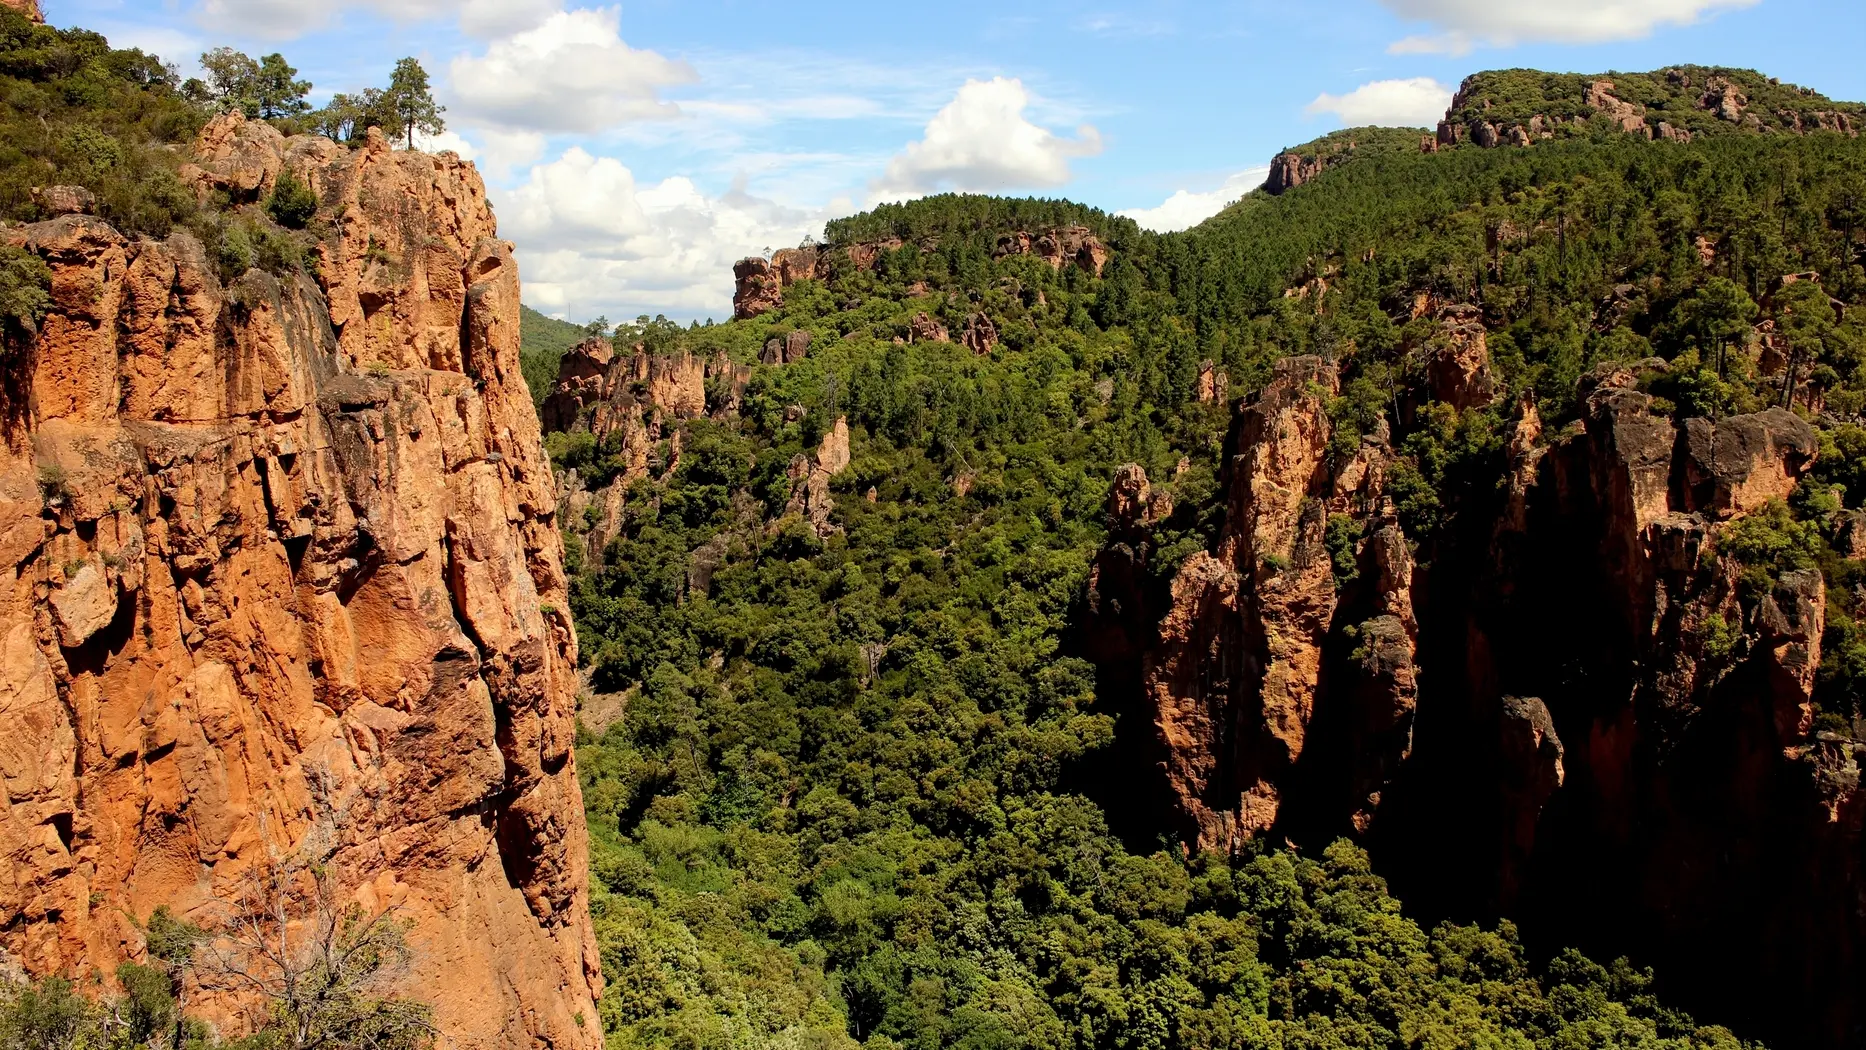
(1402, 103)
(1463, 24)
(1186, 209)
(570, 73)
(284, 19)
(982, 141)
(593, 241)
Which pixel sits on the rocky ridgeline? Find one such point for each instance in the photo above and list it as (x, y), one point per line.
(759, 283)
(635, 407)
(283, 557)
(1577, 704)
(1523, 107)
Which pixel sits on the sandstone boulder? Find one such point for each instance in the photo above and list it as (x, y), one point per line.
(1736, 465)
(924, 329)
(981, 334)
(64, 200)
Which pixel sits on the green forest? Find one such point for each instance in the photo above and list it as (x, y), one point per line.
(858, 785)
(863, 788)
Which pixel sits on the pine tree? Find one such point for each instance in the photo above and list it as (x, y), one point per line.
(274, 90)
(413, 103)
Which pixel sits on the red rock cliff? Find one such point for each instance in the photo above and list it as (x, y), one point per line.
(1571, 704)
(286, 549)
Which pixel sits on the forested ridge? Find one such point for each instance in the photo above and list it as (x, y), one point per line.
(855, 767)
(856, 779)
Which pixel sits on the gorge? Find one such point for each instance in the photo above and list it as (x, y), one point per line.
(1419, 606)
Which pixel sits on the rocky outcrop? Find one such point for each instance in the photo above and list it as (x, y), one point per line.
(1723, 99)
(1289, 170)
(924, 329)
(1059, 247)
(759, 283)
(598, 390)
(29, 8)
(790, 349)
(1628, 116)
(635, 406)
(582, 380)
(1252, 628)
(1319, 672)
(980, 335)
(1458, 359)
(281, 556)
(1298, 166)
(756, 288)
(1214, 383)
(810, 477)
(1488, 110)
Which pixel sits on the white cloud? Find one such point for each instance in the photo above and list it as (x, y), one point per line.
(284, 19)
(446, 141)
(1116, 24)
(570, 73)
(1463, 24)
(1412, 102)
(496, 150)
(982, 141)
(1186, 209)
(592, 241)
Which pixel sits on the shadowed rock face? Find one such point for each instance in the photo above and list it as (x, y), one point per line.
(1567, 706)
(1241, 658)
(281, 554)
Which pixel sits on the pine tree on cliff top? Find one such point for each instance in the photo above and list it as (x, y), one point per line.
(413, 103)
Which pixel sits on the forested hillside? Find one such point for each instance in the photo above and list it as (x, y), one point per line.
(865, 748)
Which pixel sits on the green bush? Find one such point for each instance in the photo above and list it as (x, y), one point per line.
(292, 203)
(25, 294)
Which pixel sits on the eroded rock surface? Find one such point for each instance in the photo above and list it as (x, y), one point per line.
(1574, 704)
(1233, 679)
(282, 555)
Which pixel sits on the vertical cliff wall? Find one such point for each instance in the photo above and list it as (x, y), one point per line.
(1576, 703)
(282, 554)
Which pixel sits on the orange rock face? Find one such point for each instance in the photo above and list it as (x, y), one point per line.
(283, 550)
(1234, 676)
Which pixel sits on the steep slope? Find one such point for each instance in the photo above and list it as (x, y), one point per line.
(1494, 508)
(1540, 577)
(913, 600)
(283, 569)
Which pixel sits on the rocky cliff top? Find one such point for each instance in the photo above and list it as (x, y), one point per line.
(1699, 100)
(1521, 107)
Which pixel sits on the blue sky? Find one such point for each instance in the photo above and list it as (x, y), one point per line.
(634, 151)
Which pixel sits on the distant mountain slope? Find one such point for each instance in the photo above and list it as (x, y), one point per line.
(843, 564)
(545, 339)
(1522, 107)
(1688, 100)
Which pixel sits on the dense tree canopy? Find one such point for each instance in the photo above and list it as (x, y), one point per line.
(862, 785)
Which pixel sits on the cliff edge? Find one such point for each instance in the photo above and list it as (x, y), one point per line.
(282, 555)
